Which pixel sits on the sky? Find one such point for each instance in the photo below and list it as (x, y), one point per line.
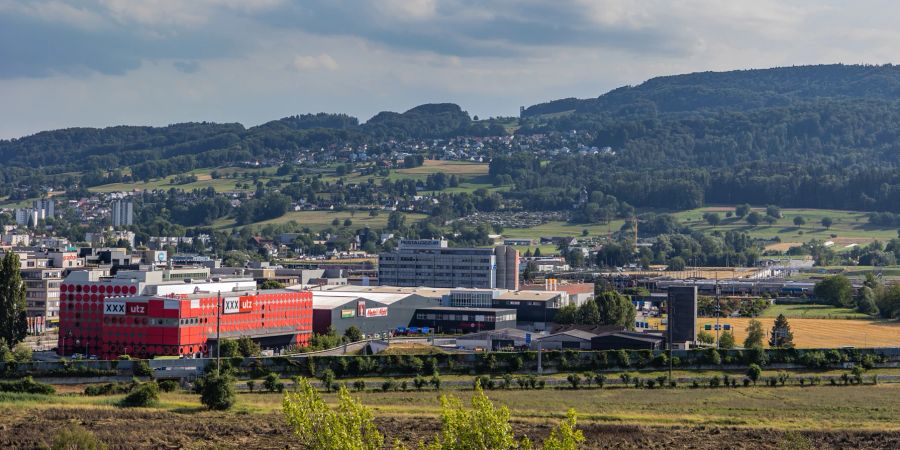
(155, 62)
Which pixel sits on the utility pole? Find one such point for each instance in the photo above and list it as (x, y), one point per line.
(540, 368)
(218, 338)
(718, 309)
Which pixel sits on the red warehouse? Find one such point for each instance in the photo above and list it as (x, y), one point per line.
(182, 324)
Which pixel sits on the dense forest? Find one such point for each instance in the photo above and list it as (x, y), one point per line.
(816, 136)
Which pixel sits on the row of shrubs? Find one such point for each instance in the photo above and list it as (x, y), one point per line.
(568, 360)
(26, 385)
(491, 363)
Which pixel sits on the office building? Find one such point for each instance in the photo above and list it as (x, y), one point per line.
(431, 263)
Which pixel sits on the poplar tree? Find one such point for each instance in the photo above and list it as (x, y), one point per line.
(13, 325)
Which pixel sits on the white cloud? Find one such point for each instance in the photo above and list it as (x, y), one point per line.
(308, 63)
(56, 12)
(407, 10)
(238, 60)
(179, 13)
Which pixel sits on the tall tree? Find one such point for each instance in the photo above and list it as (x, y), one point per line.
(13, 324)
(755, 334)
(588, 313)
(726, 341)
(781, 337)
(835, 290)
(616, 309)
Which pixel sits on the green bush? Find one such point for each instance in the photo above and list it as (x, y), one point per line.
(141, 368)
(142, 395)
(168, 385)
(108, 389)
(271, 382)
(26, 385)
(217, 391)
(75, 437)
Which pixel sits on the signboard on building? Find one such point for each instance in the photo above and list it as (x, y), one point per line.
(113, 308)
(377, 312)
(347, 313)
(231, 306)
(136, 309)
(246, 304)
(361, 308)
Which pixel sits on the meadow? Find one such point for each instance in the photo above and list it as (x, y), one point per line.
(814, 312)
(204, 181)
(320, 220)
(849, 227)
(610, 418)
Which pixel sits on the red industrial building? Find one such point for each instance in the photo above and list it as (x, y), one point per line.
(109, 320)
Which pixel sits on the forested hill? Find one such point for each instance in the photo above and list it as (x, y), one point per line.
(815, 136)
(159, 151)
(739, 90)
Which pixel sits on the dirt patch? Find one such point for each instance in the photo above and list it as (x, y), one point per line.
(841, 242)
(783, 246)
(31, 427)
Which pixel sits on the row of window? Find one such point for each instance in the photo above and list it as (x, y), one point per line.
(466, 317)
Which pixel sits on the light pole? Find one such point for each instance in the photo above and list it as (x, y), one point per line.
(218, 339)
(669, 306)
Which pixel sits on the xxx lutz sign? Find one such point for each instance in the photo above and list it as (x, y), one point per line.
(116, 308)
(237, 305)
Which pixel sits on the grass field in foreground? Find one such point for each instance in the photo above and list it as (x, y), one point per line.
(813, 312)
(790, 407)
(822, 333)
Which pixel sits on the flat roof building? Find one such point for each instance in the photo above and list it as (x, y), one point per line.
(430, 262)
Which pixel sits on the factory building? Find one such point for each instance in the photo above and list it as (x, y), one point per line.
(371, 313)
(534, 310)
(431, 263)
(452, 320)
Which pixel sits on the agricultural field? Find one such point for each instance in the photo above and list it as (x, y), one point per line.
(757, 417)
(557, 228)
(320, 220)
(459, 168)
(822, 333)
(472, 176)
(814, 312)
(204, 180)
(850, 227)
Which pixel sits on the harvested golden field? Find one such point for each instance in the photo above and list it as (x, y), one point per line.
(822, 333)
(448, 167)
